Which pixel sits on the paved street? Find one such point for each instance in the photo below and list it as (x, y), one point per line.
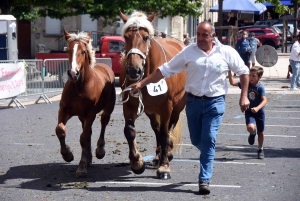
(31, 166)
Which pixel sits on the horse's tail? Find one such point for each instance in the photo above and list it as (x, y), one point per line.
(176, 137)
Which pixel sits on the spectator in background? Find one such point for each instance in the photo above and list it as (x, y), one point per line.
(254, 42)
(244, 49)
(163, 35)
(186, 40)
(290, 70)
(295, 63)
(232, 20)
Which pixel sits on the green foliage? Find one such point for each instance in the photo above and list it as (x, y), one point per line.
(280, 9)
(109, 9)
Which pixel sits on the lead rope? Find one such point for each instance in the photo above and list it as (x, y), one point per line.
(136, 95)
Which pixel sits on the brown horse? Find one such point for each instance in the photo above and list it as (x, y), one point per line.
(144, 53)
(89, 90)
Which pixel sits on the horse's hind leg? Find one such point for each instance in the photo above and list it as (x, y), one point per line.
(100, 151)
(105, 117)
(154, 121)
(85, 142)
(61, 135)
(175, 133)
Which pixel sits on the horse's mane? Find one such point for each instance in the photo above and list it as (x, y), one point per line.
(140, 20)
(83, 37)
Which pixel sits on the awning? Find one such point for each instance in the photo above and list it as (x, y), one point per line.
(241, 6)
(283, 2)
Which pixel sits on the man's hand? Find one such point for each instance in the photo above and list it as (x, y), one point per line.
(135, 87)
(244, 103)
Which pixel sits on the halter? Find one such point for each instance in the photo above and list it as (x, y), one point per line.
(144, 56)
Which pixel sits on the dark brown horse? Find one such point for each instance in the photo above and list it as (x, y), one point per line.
(144, 53)
(89, 90)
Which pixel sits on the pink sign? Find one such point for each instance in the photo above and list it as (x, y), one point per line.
(12, 79)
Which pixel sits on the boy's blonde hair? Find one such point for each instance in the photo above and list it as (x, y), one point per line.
(257, 69)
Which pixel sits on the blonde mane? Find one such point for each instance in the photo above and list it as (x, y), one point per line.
(138, 19)
(83, 37)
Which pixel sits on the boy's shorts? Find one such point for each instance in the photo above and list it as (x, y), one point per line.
(256, 118)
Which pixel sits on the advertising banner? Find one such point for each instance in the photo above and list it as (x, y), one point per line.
(12, 79)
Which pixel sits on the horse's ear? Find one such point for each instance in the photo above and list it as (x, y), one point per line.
(151, 17)
(89, 34)
(67, 35)
(123, 17)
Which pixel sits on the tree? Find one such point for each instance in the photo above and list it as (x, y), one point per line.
(282, 9)
(109, 9)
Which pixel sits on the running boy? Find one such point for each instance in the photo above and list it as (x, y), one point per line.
(255, 114)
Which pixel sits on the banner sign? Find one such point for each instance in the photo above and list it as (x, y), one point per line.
(12, 79)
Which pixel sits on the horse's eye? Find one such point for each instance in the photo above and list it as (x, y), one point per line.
(145, 38)
(83, 52)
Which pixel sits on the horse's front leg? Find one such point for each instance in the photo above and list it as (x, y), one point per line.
(60, 130)
(85, 142)
(137, 162)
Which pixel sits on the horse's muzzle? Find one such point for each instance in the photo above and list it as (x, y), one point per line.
(76, 77)
(133, 73)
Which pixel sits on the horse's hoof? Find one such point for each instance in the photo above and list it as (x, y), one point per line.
(100, 154)
(81, 174)
(163, 175)
(170, 158)
(68, 157)
(139, 171)
(155, 163)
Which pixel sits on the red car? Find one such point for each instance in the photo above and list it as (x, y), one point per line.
(266, 35)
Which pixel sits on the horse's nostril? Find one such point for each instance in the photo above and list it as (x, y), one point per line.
(139, 71)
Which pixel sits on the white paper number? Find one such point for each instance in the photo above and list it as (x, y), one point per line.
(155, 89)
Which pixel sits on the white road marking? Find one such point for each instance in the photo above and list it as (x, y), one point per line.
(161, 184)
(280, 111)
(268, 125)
(29, 144)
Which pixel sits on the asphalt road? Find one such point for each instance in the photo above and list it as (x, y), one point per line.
(31, 167)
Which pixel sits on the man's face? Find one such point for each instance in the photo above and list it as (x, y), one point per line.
(204, 39)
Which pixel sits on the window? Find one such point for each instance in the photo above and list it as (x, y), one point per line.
(116, 46)
(53, 26)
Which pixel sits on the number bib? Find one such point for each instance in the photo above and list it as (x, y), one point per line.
(155, 89)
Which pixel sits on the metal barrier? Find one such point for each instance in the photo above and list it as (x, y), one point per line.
(45, 76)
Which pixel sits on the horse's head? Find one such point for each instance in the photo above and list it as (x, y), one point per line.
(80, 53)
(137, 32)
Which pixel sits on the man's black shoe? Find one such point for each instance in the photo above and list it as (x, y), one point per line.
(204, 188)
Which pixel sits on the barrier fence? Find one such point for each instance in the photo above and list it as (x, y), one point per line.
(44, 77)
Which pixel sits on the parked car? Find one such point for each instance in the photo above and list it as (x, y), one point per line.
(266, 22)
(266, 35)
(290, 32)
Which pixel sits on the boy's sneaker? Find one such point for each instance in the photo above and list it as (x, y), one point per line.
(251, 137)
(203, 188)
(260, 154)
(294, 89)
